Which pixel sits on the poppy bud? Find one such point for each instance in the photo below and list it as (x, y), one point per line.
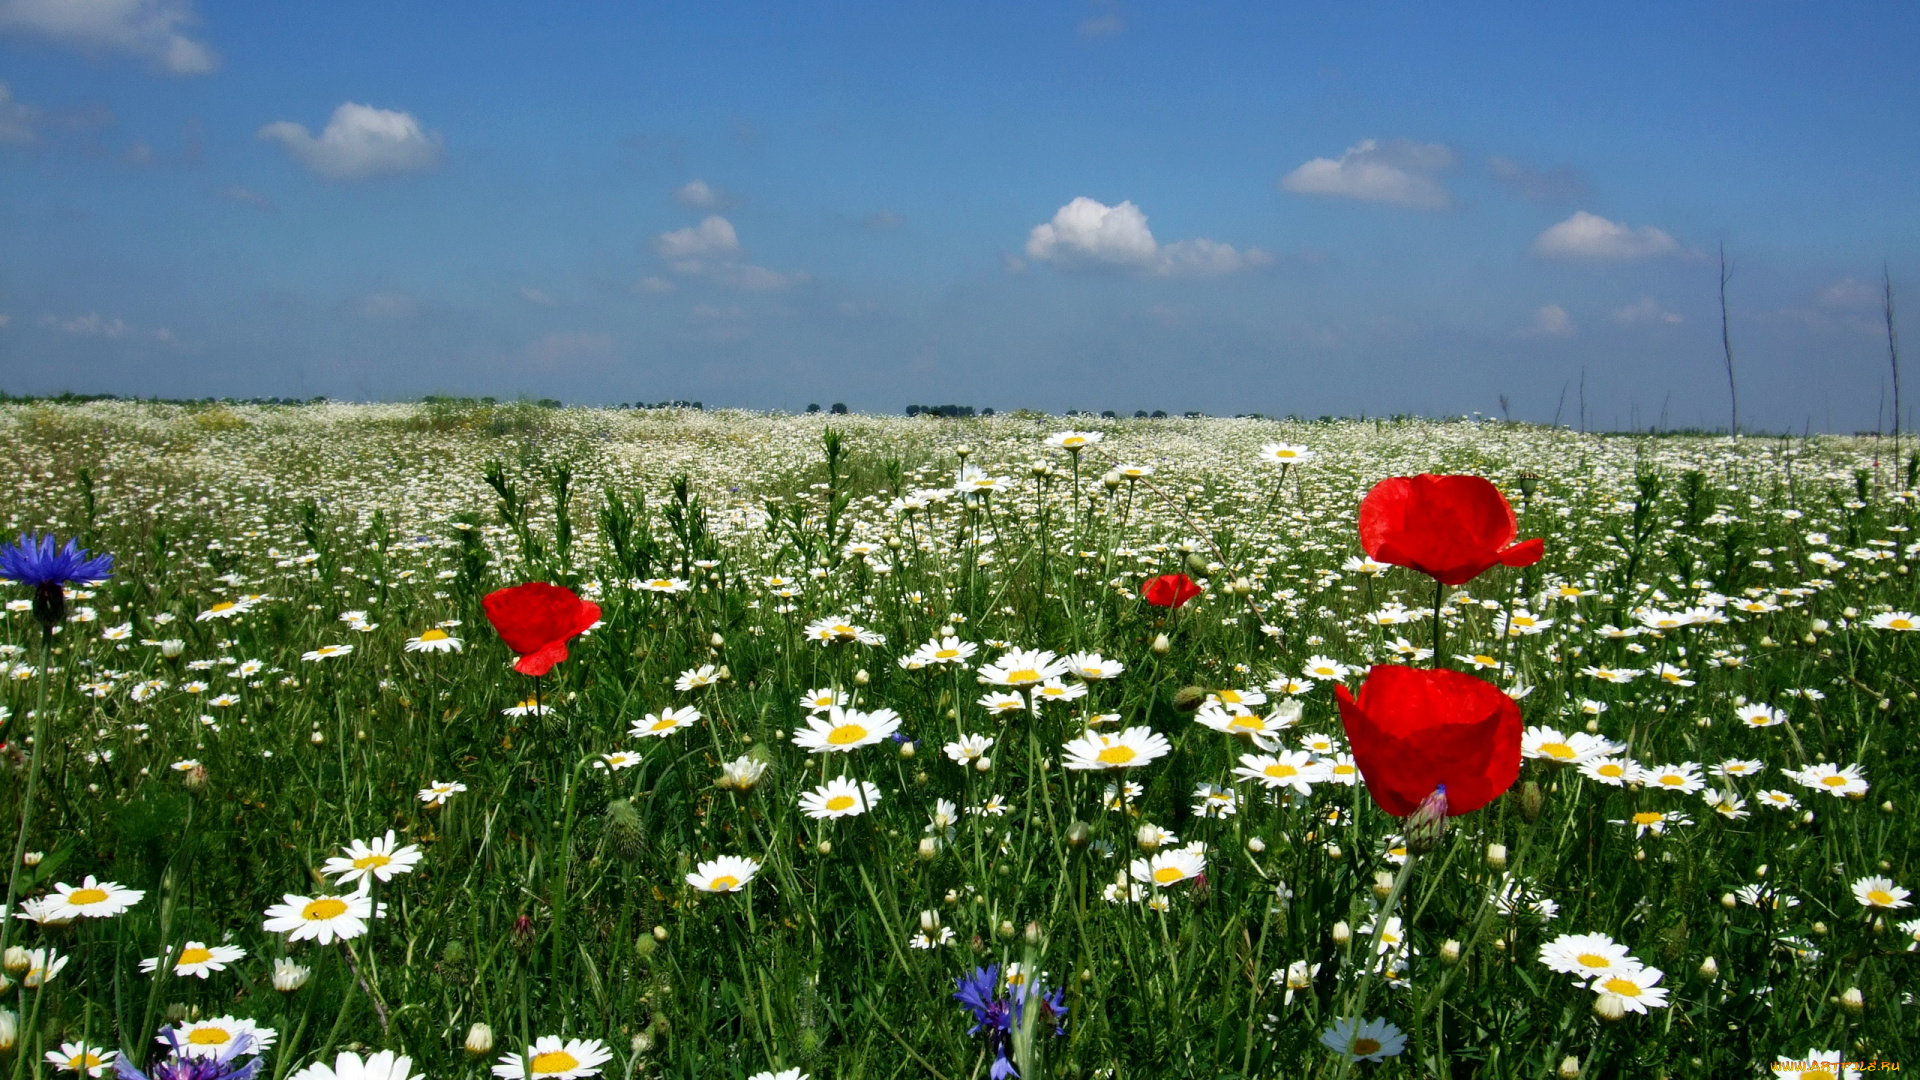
(1189, 698)
(1196, 564)
(1531, 801)
(1428, 824)
(480, 1040)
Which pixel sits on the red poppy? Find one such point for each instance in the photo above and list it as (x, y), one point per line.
(536, 620)
(1415, 730)
(1447, 527)
(1169, 590)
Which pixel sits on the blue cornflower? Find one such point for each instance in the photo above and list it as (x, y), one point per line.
(179, 1066)
(999, 1017)
(33, 560)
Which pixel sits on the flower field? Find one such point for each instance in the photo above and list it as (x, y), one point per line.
(458, 740)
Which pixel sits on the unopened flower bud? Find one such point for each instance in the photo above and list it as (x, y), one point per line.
(172, 648)
(982, 763)
(1609, 1007)
(1428, 823)
(929, 920)
(716, 641)
(1709, 969)
(479, 1040)
(1111, 480)
(289, 976)
(824, 847)
(1161, 646)
(1342, 933)
(906, 749)
(1729, 901)
(1189, 698)
(1382, 883)
(1256, 845)
(1334, 852)
(659, 933)
(1450, 951)
(1853, 1000)
(31, 859)
(1497, 856)
(1033, 933)
(642, 1042)
(1531, 800)
(17, 959)
(1819, 929)
(1078, 833)
(1005, 930)
(929, 847)
(1299, 975)
(1569, 1068)
(861, 678)
(9, 1030)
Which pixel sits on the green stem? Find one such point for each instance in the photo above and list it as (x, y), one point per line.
(33, 787)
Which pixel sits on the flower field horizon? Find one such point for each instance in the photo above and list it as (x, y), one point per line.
(466, 739)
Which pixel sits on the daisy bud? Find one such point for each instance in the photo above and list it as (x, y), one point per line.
(1033, 933)
(1887, 806)
(172, 648)
(318, 738)
(9, 1029)
(861, 678)
(982, 763)
(929, 847)
(1256, 845)
(1497, 856)
(1078, 833)
(716, 641)
(32, 858)
(1729, 901)
(1709, 969)
(1161, 646)
(642, 1042)
(824, 847)
(1879, 925)
(929, 920)
(17, 959)
(894, 543)
(659, 933)
(1342, 933)
(1450, 952)
(1111, 480)
(1299, 975)
(1569, 1068)
(906, 749)
(1821, 626)
(962, 451)
(1334, 852)
(1382, 883)
(1005, 930)
(1819, 929)
(1852, 1000)
(1766, 641)
(1609, 1007)
(479, 1040)
(1640, 854)
(1760, 871)
(289, 976)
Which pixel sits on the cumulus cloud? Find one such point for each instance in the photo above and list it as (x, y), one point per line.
(359, 141)
(1590, 236)
(1647, 310)
(700, 195)
(16, 120)
(1850, 293)
(152, 29)
(706, 250)
(1549, 321)
(1400, 172)
(1537, 185)
(1086, 232)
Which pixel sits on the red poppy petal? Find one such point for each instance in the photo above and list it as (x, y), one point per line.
(541, 660)
(1524, 554)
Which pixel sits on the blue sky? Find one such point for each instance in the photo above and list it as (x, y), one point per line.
(1099, 205)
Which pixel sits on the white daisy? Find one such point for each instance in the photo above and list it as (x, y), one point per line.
(728, 873)
(1127, 749)
(381, 859)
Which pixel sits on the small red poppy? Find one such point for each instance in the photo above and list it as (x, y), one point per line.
(1169, 590)
(1448, 527)
(1414, 730)
(536, 620)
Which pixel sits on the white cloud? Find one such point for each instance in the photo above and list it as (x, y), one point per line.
(1647, 309)
(385, 305)
(89, 325)
(1590, 236)
(16, 120)
(1089, 233)
(702, 251)
(1550, 321)
(1401, 172)
(700, 195)
(359, 141)
(146, 28)
(714, 236)
(1850, 293)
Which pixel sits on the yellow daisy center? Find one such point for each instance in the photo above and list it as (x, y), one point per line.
(1023, 675)
(371, 861)
(1900, 624)
(1231, 697)
(554, 1061)
(1593, 960)
(846, 733)
(1167, 875)
(209, 1036)
(82, 1060)
(435, 634)
(1624, 987)
(1117, 755)
(81, 897)
(1343, 770)
(840, 802)
(1281, 771)
(1834, 781)
(1557, 750)
(1246, 723)
(664, 724)
(1673, 779)
(1363, 1046)
(1647, 817)
(1612, 769)
(224, 605)
(723, 883)
(194, 956)
(327, 907)
(945, 654)
(1879, 898)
